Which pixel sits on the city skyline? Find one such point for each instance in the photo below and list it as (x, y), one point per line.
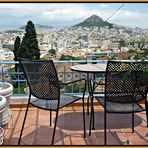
(68, 14)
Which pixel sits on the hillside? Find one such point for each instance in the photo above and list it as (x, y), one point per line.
(94, 20)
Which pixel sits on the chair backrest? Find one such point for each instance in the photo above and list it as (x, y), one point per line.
(42, 78)
(126, 82)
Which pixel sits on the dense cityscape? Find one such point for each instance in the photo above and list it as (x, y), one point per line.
(81, 42)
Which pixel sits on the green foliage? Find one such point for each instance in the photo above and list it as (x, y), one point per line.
(95, 50)
(122, 43)
(22, 87)
(52, 51)
(76, 88)
(140, 44)
(145, 53)
(11, 69)
(141, 55)
(68, 57)
(17, 50)
(17, 44)
(29, 45)
(94, 58)
(132, 43)
(44, 59)
(131, 51)
(113, 57)
(14, 77)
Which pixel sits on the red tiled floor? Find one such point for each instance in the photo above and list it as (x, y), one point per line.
(70, 128)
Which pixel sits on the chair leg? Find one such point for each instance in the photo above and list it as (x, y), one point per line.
(88, 93)
(105, 141)
(23, 124)
(91, 115)
(146, 108)
(50, 118)
(132, 122)
(54, 127)
(147, 115)
(88, 105)
(83, 117)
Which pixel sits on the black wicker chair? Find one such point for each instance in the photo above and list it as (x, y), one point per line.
(43, 84)
(126, 84)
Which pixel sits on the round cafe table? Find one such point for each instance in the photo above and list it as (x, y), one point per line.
(99, 68)
(90, 69)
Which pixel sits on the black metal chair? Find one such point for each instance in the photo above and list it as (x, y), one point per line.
(43, 84)
(126, 84)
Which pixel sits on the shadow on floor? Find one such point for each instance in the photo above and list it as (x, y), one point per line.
(112, 138)
(39, 136)
(74, 121)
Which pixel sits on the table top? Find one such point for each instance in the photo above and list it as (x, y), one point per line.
(90, 68)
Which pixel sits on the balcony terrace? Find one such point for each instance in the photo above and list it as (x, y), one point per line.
(70, 130)
(69, 127)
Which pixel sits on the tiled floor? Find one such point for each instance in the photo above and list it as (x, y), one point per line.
(70, 130)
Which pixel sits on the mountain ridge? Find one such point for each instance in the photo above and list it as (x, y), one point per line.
(38, 26)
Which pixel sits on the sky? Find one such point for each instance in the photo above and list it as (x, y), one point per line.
(15, 15)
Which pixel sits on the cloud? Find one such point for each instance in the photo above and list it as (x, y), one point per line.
(129, 18)
(38, 12)
(104, 6)
(65, 12)
(16, 14)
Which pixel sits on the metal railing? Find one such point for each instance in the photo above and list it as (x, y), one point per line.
(17, 79)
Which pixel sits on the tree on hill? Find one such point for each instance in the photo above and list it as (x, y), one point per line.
(16, 50)
(52, 51)
(122, 43)
(29, 45)
(68, 57)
